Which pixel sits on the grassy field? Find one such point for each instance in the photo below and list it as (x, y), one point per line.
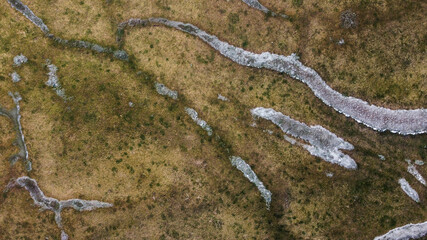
(165, 176)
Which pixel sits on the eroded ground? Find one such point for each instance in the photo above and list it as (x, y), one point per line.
(165, 176)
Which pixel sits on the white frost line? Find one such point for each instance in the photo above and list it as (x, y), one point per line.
(257, 5)
(52, 204)
(409, 231)
(15, 77)
(414, 172)
(378, 118)
(53, 81)
(409, 190)
(240, 164)
(20, 59)
(165, 91)
(223, 98)
(193, 114)
(323, 143)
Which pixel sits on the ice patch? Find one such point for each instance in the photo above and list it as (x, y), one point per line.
(53, 81)
(414, 172)
(252, 177)
(52, 204)
(323, 143)
(18, 5)
(409, 231)
(419, 162)
(15, 77)
(15, 116)
(165, 91)
(257, 5)
(18, 60)
(193, 114)
(329, 174)
(222, 98)
(409, 190)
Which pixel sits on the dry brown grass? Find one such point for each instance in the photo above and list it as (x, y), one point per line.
(165, 176)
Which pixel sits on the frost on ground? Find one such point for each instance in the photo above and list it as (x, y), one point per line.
(329, 174)
(409, 231)
(249, 174)
(20, 59)
(193, 114)
(409, 190)
(53, 81)
(223, 98)
(323, 143)
(414, 172)
(18, 5)
(378, 118)
(15, 117)
(381, 157)
(165, 91)
(15, 77)
(257, 5)
(22, 8)
(52, 204)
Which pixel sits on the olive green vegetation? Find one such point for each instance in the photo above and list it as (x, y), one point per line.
(166, 178)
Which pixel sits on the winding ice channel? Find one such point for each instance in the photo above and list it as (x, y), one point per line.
(378, 118)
